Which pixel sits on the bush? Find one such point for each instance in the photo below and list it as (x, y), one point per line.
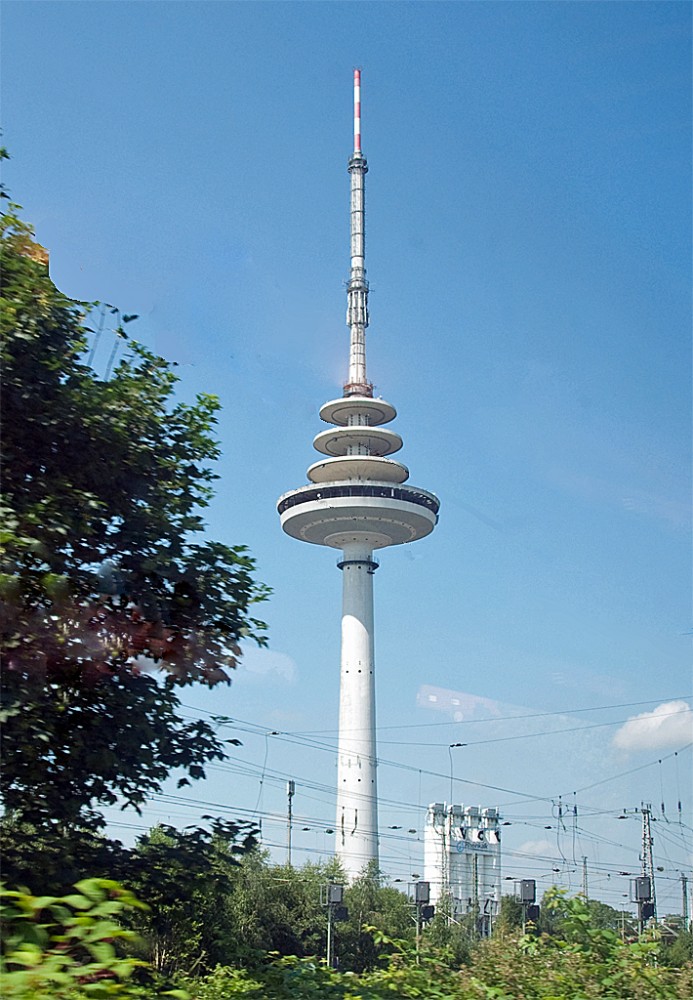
(64, 946)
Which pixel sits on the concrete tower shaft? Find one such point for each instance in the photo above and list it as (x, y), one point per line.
(357, 793)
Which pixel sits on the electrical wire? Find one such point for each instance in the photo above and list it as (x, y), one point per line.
(313, 744)
(329, 789)
(261, 783)
(500, 718)
(528, 736)
(237, 725)
(633, 770)
(528, 863)
(522, 861)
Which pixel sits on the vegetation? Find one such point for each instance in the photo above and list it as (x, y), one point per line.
(186, 878)
(111, 601)
(76, 947)
(59, 947)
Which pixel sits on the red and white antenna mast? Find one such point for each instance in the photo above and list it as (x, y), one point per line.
(357, 111)
(357, 383)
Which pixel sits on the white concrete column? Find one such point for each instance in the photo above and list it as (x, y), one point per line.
(357, 800)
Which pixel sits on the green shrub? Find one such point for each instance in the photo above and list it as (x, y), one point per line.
(64, 947)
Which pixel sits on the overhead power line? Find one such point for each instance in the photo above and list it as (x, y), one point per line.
(529, 736)
(623, 774)
(500, 718)
(262, 730)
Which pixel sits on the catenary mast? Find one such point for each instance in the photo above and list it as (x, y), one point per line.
(357, 502)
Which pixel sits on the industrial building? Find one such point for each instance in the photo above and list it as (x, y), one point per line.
(462, 862)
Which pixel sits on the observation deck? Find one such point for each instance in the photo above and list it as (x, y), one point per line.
(351, 511)
(357, 494)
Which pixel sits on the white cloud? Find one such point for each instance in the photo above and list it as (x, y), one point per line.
(267, 662)
(669, 724)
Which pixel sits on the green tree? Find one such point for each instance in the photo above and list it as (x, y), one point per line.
(269, 908)
(604, 916)
(577, 960)
(104, 575)
(377, 913)
(676, 939)
(186, 877)
(510, 916)
(578, 967)
(277, 908)
(450, 939)
(42, 858)
(557, 913)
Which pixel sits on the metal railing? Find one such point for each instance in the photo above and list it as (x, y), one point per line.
(407, 494)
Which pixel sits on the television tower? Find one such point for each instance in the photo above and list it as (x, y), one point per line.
(357, 502)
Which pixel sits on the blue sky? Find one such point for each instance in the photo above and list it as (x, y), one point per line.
(529, 252)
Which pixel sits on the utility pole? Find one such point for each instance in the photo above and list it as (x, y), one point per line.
(446, 873)
(330, 938)
(475, 892)
(290, 792)
(584, 878)
(646, 856)
(450, 749)
(684, 900)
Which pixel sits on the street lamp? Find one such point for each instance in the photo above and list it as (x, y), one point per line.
(450, 749)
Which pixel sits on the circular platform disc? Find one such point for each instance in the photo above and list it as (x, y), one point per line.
(338, 411)
(333, 521)
(374, 441)
(361, 467)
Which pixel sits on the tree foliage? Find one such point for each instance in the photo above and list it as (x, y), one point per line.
(377, 914)
(280, 908)
(586, 963)
(579, 959)
(276, 908)
(111, 598)
(64, 947)
(187, 877)
(72, 947)
(52, 858)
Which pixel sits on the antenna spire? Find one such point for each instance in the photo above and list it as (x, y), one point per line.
(357, 111)
(357, 383)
